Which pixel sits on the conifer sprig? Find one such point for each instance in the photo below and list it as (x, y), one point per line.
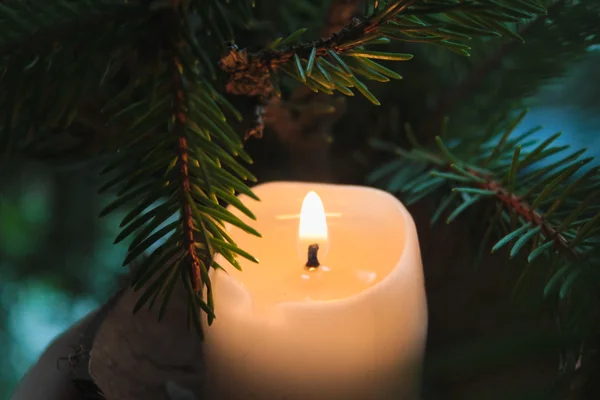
(337, 62)
(185, 170)
(178, 159)
(546, 207)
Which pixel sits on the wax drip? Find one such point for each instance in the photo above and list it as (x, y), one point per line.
(313, 261)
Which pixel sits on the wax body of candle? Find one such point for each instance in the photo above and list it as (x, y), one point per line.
(352, 329)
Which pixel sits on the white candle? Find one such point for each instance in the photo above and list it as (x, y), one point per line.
(353, 328)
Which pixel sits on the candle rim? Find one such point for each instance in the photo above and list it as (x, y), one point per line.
(408, 226)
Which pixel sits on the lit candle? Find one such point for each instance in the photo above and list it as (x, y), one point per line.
(349, 325)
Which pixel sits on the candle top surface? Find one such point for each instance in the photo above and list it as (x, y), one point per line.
(366, 235)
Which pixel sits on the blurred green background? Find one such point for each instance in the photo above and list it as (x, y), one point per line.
(57, 260)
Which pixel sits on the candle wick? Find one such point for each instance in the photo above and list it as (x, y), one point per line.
(313, 261)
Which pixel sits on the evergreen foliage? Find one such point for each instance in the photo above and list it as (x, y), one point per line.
(546, 210)
(142, 85)
(156, 73)
(142, 64)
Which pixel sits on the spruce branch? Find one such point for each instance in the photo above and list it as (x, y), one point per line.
(177, 169)
(552, 208)
(334, 63)
(178, 159)
(485, 183)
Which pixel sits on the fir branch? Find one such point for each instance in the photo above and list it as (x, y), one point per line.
(550, 208)
(177, 161)
(177, 170)
(485, 183)
(249, 73)
(401, 20)
(487, 167)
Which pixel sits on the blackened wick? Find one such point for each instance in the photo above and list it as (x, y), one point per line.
(313, 261)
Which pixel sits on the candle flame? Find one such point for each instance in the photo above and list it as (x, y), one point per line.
(313, 225)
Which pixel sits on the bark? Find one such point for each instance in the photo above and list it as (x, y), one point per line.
(50, 378)
(121, 355)
(137, 357)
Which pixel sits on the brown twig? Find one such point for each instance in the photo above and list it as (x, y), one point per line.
(514, 202)
(524, 209)
(179, 112)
